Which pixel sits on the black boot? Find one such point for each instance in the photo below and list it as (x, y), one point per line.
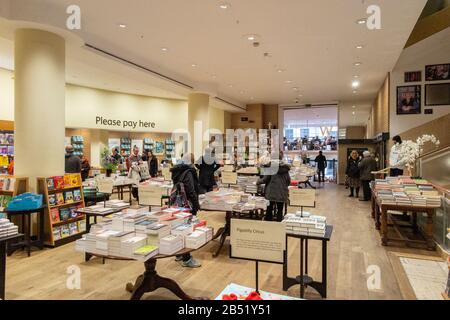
(357, 192)
(351, 192)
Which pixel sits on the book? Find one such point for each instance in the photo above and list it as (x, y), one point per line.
(50, 184)
(57, 233)
(58, 182)
(68, 196)
(77, 195)
(146, 250)
(82, 226)
(65, 231)
(64, 214)
(71, 180)
(52, 199)
(73, 212)
(73, 228)
(54, 215)
(59, 198)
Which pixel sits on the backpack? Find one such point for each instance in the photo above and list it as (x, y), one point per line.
(178, 197)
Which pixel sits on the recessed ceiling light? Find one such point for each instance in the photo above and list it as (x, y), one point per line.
(361, 21)
(288, 81)
(164, 49)
(280, 70)
(354, 113)
(123, 26)
(295, 89)
(193, 65)
(300, 95)
(357, 64)
(354, 107)
(251, 37)
(359, 46)
(355, 91)
(355, 84)
(224, 5)
(356, 76)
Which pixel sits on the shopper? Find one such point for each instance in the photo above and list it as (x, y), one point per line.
(116, 155)
(396, 163)
(134, 158)
(72, 162)
(352, 172)
(207, 166)
(152, 163)
(185, 194)
(366, 167)
(276, 189)
(321, 163)
(85, 168)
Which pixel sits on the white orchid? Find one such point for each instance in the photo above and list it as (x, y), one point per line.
(410, 151)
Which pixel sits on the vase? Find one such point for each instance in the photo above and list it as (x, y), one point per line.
(108, 172)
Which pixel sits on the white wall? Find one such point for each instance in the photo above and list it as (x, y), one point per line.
(433, 50)
(6, 95)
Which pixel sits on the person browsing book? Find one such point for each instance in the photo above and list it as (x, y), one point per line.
(72, 162)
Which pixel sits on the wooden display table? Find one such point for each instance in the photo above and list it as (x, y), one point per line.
(384, 220)
(303, 279)
(150, 280)
(3, 242)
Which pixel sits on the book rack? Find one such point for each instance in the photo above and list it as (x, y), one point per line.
(63, 196)
(6, 195)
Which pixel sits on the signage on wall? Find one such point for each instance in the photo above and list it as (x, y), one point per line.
(124, 124)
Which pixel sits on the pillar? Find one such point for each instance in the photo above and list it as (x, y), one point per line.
(198, 122)
(39, 112)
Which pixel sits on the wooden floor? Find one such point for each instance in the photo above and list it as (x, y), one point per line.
(355, 245)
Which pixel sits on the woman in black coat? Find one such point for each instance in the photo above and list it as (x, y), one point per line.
(207, 166)
(353, 174)
(152, 164)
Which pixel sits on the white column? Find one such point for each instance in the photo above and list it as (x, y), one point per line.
(39, 114)
(198, 121)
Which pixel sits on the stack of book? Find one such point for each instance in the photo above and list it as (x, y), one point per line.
(312, 226)
(116, 204)
(99, 209)
(209, 232)
(7, 184)
(131, 244)
(115, 242)
(146, 252)
(7, 228)
(155, 232)
(130, 220)
(171, 244)
(183, 230)
(196, 239)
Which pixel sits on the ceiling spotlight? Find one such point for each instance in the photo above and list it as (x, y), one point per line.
(224, 6)
(164, 49)
(357, 64)
(251, 37)
(356, 76)
(123, 26)
(355, 84)
(280, 70)
(355, 91)
(361, 21)
(359, 46)
(295, 89)
(288, 81)
(354, 113)
(193, 65)
(354, 107)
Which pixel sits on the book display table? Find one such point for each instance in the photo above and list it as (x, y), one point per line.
(120, 189)
(384, 220)
(303, 279)
(150, 280)
(3, 242)
(26, 230)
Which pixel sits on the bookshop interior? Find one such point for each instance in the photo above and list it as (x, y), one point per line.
(279, 150)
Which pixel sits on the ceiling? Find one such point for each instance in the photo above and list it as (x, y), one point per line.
(312, 42)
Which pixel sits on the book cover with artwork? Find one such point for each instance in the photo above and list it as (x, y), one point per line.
(68, 196)
(73, 228)
(64, 214)
(54, 215)
(52, 200)
(75, 180)
(65, 231)
(77, 195)
(58, 182)
(73, 212)
(82, 226)
(59, 198)
(50, 184)
(67, 181)
(56, 233)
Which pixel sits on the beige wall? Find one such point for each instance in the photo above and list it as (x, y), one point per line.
(270, 115)
(255, 118)
(217, 119)
(379, 116)
(6, 95)
(356, 132)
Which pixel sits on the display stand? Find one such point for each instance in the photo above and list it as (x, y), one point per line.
(20, 187)
(302, 198)
(51, 227)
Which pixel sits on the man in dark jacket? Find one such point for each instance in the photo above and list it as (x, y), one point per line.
(152, 163)
(186, 174)
(207, 166)
(366, 167)
(277, 190)
(321, 163)
(72, 162)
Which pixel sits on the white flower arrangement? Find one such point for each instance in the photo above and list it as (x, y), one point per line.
(410, 151)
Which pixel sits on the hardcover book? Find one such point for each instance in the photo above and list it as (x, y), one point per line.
(73, 212)
(68, 195)
(56, 233)
(58, 182)
(54, 215)
(73, 228)
(50, 184)
(59, 198)
(77, 195)
(65, 231)
(64, 214)
(52, 199)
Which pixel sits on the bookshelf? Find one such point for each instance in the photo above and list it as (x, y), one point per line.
(63, 196)
(78, 145)
(149, 144)
(9, 189)
(125, 145)
(170, 149)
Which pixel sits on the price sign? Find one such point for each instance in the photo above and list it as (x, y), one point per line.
(167, 174)
(105, 185)
(258, 240)
(228, 168)
(229, 177)
(302, 197)
(150, 195)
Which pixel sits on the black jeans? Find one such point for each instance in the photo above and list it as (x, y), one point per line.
(321, 174)
(279, 207)
(366, 189)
